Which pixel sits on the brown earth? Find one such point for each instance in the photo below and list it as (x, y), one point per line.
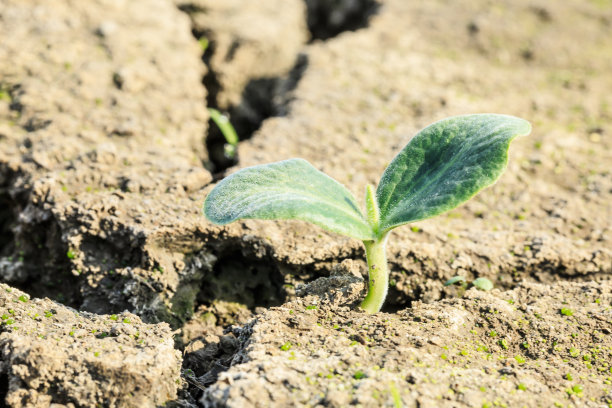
(104, 166)
(513, 348)
(52, 354)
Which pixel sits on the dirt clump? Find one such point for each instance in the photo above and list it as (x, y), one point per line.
(52, 354)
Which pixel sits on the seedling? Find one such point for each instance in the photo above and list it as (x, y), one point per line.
(227, 130)
(444, 165)
(479, 283)
(203, 41)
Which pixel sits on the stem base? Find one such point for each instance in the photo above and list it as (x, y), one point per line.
(378, 275)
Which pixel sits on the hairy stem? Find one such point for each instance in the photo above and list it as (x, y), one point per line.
(378, 274)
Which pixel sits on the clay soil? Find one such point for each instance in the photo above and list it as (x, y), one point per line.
(116, 292)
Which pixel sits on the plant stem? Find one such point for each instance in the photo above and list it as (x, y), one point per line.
(378, 274)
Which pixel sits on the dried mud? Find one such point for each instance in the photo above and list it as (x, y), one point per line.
(514, 348)
(107, 152)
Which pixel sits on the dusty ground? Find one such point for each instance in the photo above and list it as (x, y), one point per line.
(106, 156)
(512, 348)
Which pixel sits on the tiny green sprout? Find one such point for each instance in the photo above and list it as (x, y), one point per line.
(479, 283)
(567, 312)
(203, 41)
(460, 280)
(483, 284)
(286, 346)
(395, 395)
(4, 95)
(359, 375)
(575, 390)
(441, 167)
(522, 387)
(71, 254)
(227, 130)
(23, 298)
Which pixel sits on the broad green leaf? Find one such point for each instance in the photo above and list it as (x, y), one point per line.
(444, 165)
(290, 189)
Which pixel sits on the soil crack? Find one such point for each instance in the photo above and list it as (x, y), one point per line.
(327, 19)
(250, 77)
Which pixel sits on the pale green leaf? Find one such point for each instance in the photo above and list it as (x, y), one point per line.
(483, 284)
(455, 279)
(444, 165)
(290, 189)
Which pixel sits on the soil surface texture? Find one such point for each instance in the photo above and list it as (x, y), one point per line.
(116, 291)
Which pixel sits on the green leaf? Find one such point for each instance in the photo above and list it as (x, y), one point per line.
(444, 165)
(455, 279)
(290, 189)
(227, 130)
(483, 284)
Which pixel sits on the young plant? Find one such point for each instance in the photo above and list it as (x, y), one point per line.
(227, 130)
(444, 165)
(479, 283)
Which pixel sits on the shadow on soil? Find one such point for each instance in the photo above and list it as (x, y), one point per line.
(327, 19)
(32, 254)
(262, 98)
